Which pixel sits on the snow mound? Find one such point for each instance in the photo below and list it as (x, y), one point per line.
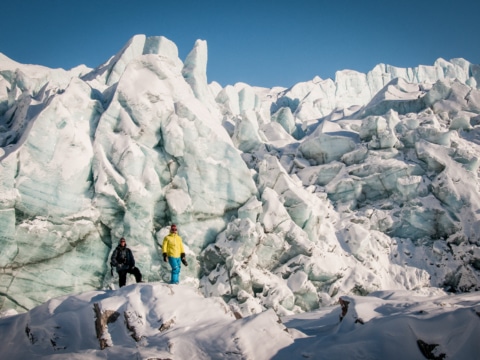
(142, 321)
(389, 325)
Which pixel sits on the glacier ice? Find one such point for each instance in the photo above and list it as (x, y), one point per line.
(285, 198)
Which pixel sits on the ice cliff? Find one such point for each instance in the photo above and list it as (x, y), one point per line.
(285, 198)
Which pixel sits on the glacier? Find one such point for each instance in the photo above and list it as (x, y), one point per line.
(286, 198)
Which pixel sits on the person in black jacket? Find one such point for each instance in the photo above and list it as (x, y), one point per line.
(124, 262)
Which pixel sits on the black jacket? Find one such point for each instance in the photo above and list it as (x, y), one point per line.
(122, 258)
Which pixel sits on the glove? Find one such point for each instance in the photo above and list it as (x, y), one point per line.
(184, 262)
(165, 257)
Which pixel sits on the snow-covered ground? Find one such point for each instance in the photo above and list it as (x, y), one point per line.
(162, 321)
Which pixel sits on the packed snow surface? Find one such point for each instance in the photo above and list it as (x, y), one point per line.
(162, 321)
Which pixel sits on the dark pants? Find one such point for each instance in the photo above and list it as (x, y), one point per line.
(122, 275)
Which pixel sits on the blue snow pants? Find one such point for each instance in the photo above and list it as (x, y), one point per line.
(175, 264)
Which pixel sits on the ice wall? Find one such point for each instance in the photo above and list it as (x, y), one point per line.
(285, 198)
(97, 162)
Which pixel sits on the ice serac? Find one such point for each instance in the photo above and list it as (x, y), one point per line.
(388, 157)
(160, 158)
(162, 46)
(108, 74)
(33, 78)
(52, 221)
(329, 142)
(195, 73)
(352, 90)
(286, 198)
(398, 95)
(110, 161)
(8, 195)
(118, 63)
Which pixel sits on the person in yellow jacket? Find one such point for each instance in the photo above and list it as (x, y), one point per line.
(172, 249)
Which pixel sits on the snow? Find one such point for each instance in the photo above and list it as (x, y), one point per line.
(389, 325)
(157, 320)
(140, 321)
(290, 202)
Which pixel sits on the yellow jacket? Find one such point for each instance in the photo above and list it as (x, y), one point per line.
(173, 245)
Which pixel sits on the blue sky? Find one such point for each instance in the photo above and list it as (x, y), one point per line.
(263, 42)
